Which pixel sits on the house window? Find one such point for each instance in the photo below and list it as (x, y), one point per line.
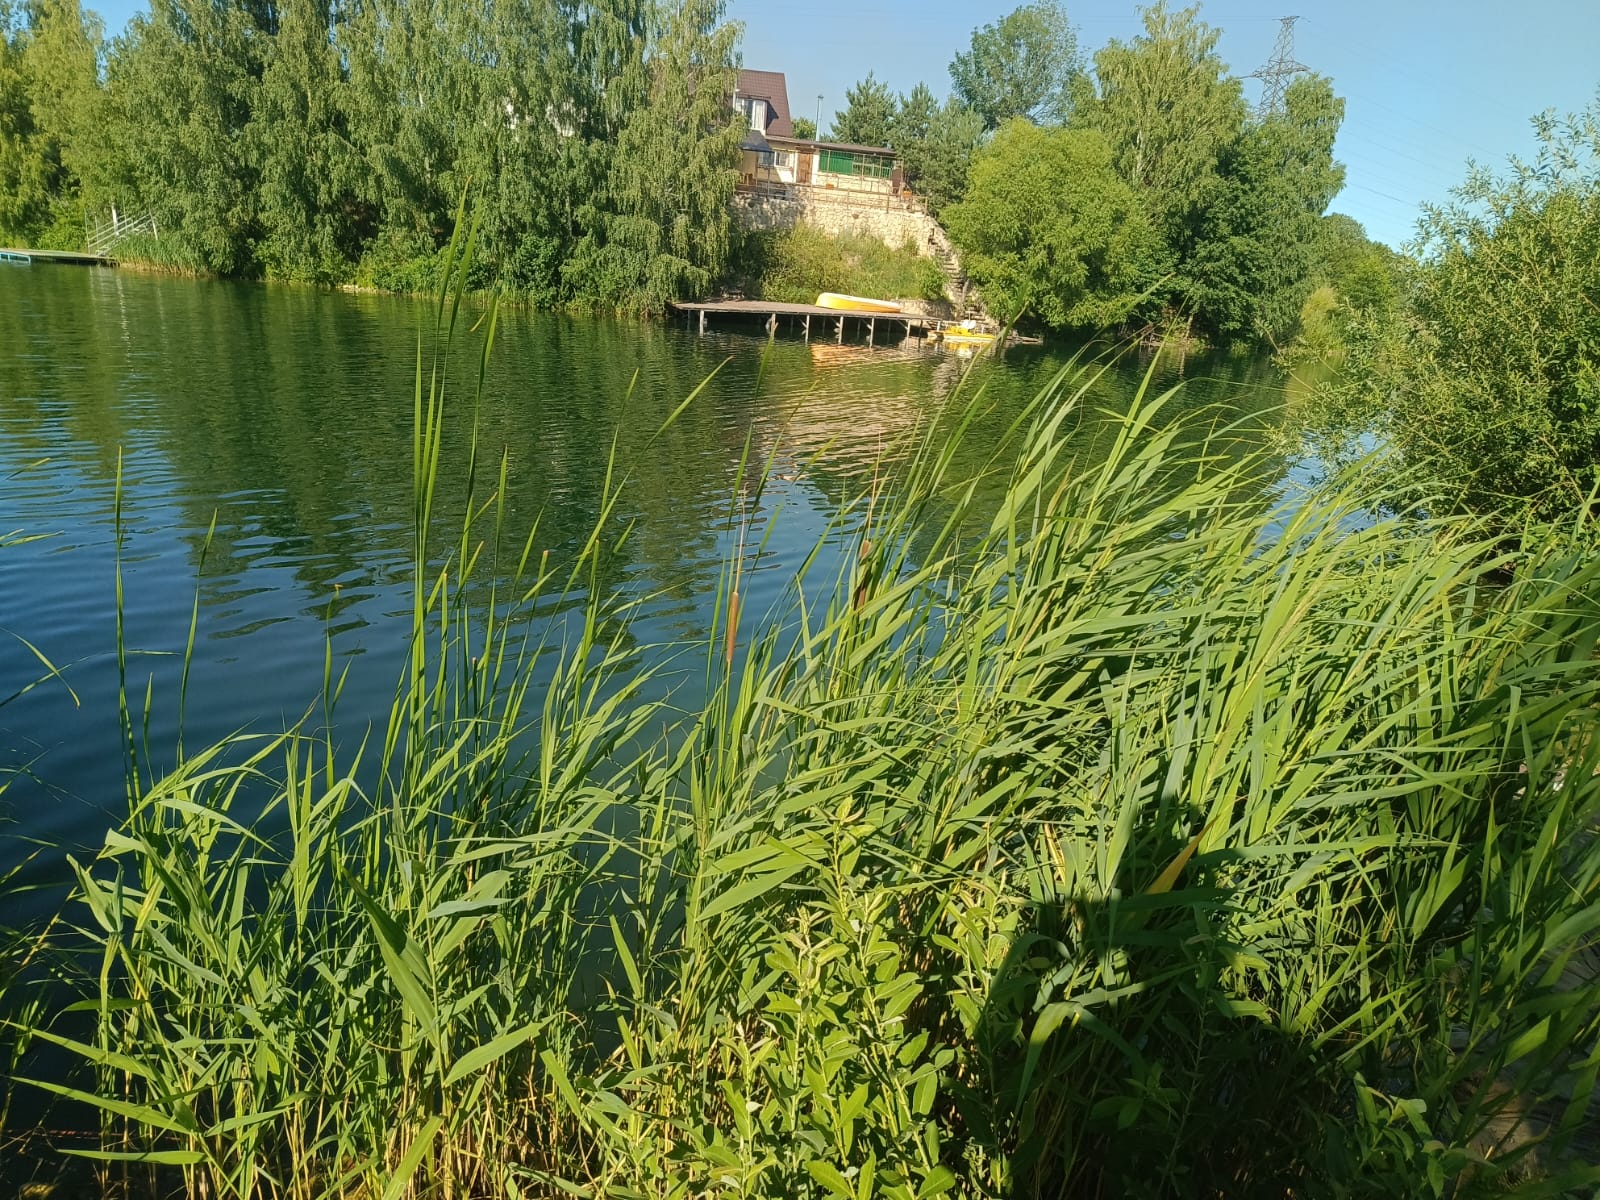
(785, 158)
(862, 166)
(765, 158)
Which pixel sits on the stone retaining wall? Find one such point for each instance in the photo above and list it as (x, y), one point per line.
(894, 225)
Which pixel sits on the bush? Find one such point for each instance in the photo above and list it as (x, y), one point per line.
(410, 263)
(1048, 229)
(1488, 383)
(795, 265)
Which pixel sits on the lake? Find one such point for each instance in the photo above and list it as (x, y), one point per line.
(283, 414)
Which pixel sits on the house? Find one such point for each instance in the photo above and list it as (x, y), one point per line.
(774, 158)
(763, 96)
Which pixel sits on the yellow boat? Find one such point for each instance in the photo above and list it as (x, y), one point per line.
(966, 335)
(856, 303)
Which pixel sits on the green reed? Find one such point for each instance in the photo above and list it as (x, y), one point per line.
(1131, 837)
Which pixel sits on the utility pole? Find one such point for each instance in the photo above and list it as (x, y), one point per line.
(819, 114)
(1280, 68)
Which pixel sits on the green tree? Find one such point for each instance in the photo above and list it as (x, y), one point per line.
(868, 117)
(1364, 274)
(1047, 227)
(666, 231)
(310, 172)
(1246, 269)
(182, 84)
(1489, 386)
(1168, 108)
(914, 116)
(804, 127)
(938, 163)
(1023, 65)
(49, 83)
(26, 172)
(1353, 279)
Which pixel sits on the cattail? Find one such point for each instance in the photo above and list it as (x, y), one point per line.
(733, 625)
(865, 576)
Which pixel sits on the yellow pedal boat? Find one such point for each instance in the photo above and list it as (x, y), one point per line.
(856, 303)
(965, 335)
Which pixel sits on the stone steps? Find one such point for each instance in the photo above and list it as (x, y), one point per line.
(967, 306)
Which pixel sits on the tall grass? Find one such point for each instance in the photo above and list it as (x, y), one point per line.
(1133, 837)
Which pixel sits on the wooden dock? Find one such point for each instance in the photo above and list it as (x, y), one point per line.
(71, 258)
(809, 319)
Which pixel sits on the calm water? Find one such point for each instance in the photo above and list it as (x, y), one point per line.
(285, 414)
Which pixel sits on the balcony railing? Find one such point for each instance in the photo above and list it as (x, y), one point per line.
(883, 199)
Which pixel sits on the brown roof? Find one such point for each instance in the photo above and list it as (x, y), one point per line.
(771, 87)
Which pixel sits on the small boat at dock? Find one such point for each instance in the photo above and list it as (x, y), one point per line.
(966, 335)
(864, 304)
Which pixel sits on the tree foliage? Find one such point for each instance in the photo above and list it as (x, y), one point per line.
(1233, 202)
(48, 77)
(1167, 106)
(1049, 228)
(868, 118)
(667, 232)
(1489, 383)
(914, 116)
(938, 163)
(320, 140)
(1247, 266)
(1023, 65)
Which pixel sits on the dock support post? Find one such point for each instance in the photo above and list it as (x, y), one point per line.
(702, 320)
(772, 325)
(872, 329)
(808, 327)
(841, 331)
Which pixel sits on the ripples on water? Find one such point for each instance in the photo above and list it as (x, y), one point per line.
(286, 414)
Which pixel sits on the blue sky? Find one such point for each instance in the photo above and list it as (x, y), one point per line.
(1428, 84)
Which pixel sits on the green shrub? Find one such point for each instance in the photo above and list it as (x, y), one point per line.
(795, 265)
(410, 263)
(1488, 383)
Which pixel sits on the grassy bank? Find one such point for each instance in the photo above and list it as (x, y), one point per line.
(794, 265)
(1134, 836)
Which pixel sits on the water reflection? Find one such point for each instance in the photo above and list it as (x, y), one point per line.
(286, 413)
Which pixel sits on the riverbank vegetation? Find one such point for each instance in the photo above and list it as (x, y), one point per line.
(1116, 827)
(327, 143)
(794, 265)
(1484, 371)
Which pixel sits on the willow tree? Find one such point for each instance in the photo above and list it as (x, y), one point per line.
(406, 85)
(49, 66)
(182, 85)
(25, 170)
(661, 230)
(1048, 230)
(310, 171)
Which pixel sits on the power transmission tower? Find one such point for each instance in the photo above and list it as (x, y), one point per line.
(1280, 68)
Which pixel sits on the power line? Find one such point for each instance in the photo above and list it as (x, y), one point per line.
(1280, 68)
